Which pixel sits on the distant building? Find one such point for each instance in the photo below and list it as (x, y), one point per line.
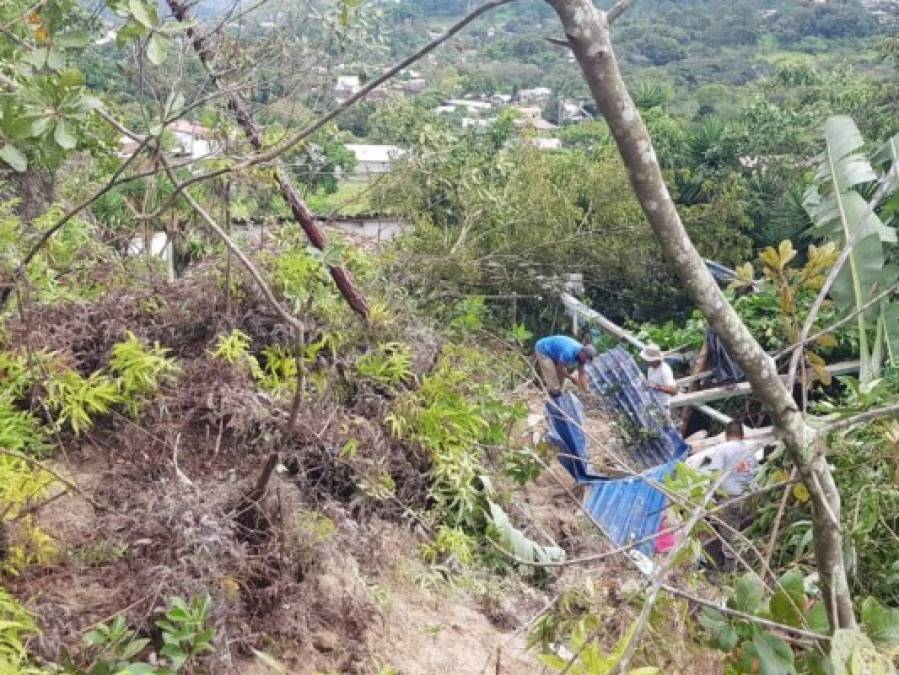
(547, 143)
(535, 124)
(477, 122)
(529, 112)
(571, 111)
(441, 109)
(108, 36)
(346, 86)
(535, 95)
(191, 139)
(473, 105)
(414, 86)
(376, 95)
(374, 160)
(501, 99)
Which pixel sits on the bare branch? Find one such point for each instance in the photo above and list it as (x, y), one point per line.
(617, 10)
(301, 212)
(845, 423)
(290, 320)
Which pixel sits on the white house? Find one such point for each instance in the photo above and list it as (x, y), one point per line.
(477, 122)
(374, 160)
(472, 105)
(346, 86)
(191, 139)
(537, 94)
(160, 247)
(547, 143)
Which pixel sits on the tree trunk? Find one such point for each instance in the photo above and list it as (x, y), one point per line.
(587, 30)
(291, 195)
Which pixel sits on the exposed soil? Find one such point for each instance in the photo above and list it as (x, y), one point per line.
(317, 572)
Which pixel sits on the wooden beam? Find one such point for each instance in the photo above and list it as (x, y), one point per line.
(694, 398)
(716, 415)
(758, 437)
(579, 309)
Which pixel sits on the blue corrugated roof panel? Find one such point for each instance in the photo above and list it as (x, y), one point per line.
(627, 509)
(614, 376)
(565, 418)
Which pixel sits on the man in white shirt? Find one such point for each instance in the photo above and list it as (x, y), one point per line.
(735, 456)
(659, 375)
(738, 459)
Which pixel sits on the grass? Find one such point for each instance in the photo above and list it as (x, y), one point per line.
(351, 199)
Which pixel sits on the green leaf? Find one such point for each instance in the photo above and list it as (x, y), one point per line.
(129, 32)
(56, 60)
(14, 157)
(853, 653)
(880, 623)
(40, 127)
(774, 655)
(724, 637)
(140, 669)
(36, 57)
(815, 663)
(747, 594)
(73, 39)
(176, 27)
(62, 136)
(788, 604)
(157, 47)
(816, 618)
(141, 13)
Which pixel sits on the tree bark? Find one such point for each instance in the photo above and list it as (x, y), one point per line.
(587, 30)
(298, 207)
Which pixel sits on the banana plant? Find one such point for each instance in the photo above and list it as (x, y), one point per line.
(840, 213)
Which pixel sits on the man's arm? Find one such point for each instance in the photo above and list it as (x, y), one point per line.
(669, 386)
(582, 378)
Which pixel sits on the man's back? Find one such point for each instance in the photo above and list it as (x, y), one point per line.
(738, 458)
(559, 348)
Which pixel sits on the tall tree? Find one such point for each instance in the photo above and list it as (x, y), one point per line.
(588, 33)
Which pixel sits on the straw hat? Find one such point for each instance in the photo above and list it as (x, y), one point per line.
(651, 353)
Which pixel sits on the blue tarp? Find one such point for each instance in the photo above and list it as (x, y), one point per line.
(723, 367)
(628, 509)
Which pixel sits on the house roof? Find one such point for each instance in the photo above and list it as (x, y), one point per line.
(375, 153)
(190, 128)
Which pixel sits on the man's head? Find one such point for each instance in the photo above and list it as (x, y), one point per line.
(587, 354)
(734, 431)
(652, 355)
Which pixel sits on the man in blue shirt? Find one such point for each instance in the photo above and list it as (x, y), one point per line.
(557, 354)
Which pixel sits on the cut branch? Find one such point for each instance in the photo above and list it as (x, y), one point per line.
(267, 293)
(301, 213)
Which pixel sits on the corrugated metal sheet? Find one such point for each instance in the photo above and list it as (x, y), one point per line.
(614, 376)
(627, 509)
(565, 418)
